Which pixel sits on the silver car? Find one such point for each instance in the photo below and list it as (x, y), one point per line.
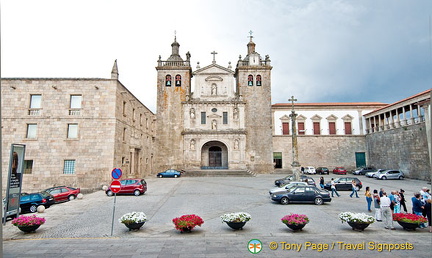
(284, 189)
(390, 174)
(374, 173)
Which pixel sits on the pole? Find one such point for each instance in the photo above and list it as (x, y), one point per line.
(112, 222)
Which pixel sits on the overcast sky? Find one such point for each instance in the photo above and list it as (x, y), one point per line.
(321, 51)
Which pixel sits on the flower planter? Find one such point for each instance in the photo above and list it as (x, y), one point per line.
(236, 225)
(186, 230)
(358, 226)
(295, 227)
(28, 229)
(134, 226)
(408, 226)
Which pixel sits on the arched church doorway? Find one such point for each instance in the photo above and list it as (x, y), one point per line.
(214, 155)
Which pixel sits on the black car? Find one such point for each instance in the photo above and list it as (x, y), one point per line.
(344, 183)
(322, 170)
(288, 179)
(30, 202)
(302, 194)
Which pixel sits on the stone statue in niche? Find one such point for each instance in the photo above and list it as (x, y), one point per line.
(236, 144)
(214, 124)
(192, 113)
(236, 113)
(192, 144)
(214, 89)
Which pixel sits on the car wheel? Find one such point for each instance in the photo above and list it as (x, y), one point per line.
(160, 176)
(401, 177)
(33, 208)
(318, 201)
(71, 197)
(137, 193)
(109, 193)
(284, 200)
(175, 176)
(384, 178)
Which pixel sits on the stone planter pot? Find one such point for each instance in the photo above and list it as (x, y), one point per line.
(358, 226)
(236, 225)
(296, 227)
(28, 229)
(186, 230)
(134, 226)
(408, 226)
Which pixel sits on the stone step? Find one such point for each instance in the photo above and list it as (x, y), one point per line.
(218, 172)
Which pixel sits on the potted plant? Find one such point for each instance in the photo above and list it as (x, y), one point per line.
(133, 220)
(186, 223)
(236, 220)
(28, 223)
(409, 221)
(357, 221)
(295, 221)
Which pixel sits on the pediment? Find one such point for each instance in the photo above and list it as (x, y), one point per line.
(301, 118)
(316, 117)
(347, 118)
(285, 118)
(332, 117)
(213, 69)
(214, 116)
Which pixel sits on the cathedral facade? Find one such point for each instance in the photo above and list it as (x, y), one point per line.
(224, 123)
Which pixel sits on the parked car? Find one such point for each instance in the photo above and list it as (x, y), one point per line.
(363, 170)
(135, 186)
(309, 170)
(302, 194)
(30, 202)
(63, 193)
(286, 180)
(322, 170)
(344, 183)
(339, 170)
(169, 173)
(390, 174)
(374, 173)
(285, 187)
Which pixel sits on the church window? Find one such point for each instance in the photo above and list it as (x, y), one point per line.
(301, 128)
(124, 108)
(225, 118)
(332, 128)
(168, 80)
(258, 80)
(203, 118)
(316, 128)
(250, 80)
(285, 128)
(348, 129)
(214, 110)
(178, 80)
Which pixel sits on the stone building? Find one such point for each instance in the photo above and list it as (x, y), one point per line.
(328, 134)
(225, 123)
(75, 130)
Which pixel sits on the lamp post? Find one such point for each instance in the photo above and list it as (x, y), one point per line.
(295, 164)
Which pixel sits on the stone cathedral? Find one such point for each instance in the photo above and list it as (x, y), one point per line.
(224, 123)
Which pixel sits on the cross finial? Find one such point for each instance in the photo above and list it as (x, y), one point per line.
(250, 35)
(175, 35)
(292, 99)
(214, 53)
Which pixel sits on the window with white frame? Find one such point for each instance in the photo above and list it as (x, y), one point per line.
(35, 104)
(72, 132)
(31, 131)
(75, 105)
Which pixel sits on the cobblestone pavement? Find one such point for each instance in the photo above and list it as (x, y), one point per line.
(82, 228)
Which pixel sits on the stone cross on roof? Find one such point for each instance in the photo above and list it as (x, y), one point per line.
(250, 35)
(292, 99)
(214, 53)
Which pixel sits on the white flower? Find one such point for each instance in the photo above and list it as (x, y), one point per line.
(356, 217)
(236, 217)
(133, 217)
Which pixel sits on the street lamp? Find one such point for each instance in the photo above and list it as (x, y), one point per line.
(295, 164)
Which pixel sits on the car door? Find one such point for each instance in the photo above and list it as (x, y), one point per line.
(25, 202)
(297, 195)
(57, 194)
(309, 194)
(393, 174)
(123, 187)
(342, 184)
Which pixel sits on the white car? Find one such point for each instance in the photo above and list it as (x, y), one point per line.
(309, 170)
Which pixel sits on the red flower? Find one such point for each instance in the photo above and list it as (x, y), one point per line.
(409, 218)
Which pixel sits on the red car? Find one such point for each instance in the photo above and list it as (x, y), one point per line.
(340, 170)
(63, 193)
(135, 186)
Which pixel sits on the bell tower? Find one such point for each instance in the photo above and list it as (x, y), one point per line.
(253, 83)
(173, 87)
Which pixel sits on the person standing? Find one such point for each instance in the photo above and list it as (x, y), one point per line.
(386, 211)
(322, 182)
(368, 198)
(381, 192)
(354, 189)
(377, 206)
(418, 207)
(428, 213)
(333, 188)
(402, 200)
(396, 208)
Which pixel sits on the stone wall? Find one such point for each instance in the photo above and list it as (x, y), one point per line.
(321, 151)
(403, 148)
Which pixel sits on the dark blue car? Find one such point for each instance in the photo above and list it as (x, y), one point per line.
(30, 202)
(302, 194)
(169, 173)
